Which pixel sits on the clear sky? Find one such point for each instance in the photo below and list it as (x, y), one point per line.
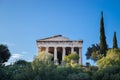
(22, 22)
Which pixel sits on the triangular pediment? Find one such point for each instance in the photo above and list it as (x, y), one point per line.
(55, 38)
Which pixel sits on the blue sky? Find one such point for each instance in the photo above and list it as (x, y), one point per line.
(22, 22)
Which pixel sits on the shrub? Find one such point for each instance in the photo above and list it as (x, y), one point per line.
(108, 73)
(112, 58)
(80, 76)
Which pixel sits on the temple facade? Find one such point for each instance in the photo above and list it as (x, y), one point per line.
(60, 47)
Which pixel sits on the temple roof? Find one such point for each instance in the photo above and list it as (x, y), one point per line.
(57, 38)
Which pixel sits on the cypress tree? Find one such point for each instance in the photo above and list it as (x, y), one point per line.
(103, 44)
(115, 45)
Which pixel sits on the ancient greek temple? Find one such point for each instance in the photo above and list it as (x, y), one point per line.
(60, 47)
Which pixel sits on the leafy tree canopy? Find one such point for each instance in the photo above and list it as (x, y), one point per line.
(43, 58)
(72, 56)
(71, 60)
(93, 52)
(112, 58)
(4, 54)
(21, 62)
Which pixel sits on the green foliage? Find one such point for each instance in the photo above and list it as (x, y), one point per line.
(63, 72)
(96, 56)
(115, 45)
(21, 62)
(3, 73)
(80, 76)
(72, 56)
(103, 44)
(108, 73)
(16, 72)
(71, 60)
(42, 56)
(44, 69)
(112, 58)
(4, 54)
(24, 72)
(93, 52)
(21, 70)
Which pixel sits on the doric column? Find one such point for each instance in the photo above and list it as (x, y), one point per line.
(63, 53)
(46, 52)
(39, 49)
(72, 49)
(80, 55)
(55, 55)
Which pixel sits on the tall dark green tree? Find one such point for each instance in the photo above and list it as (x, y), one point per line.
(103, 44)
(115, 45)
(4, 54)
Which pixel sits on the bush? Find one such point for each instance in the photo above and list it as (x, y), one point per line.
(108, 73)
(112, 58)
(80, 76)
(71, 60)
